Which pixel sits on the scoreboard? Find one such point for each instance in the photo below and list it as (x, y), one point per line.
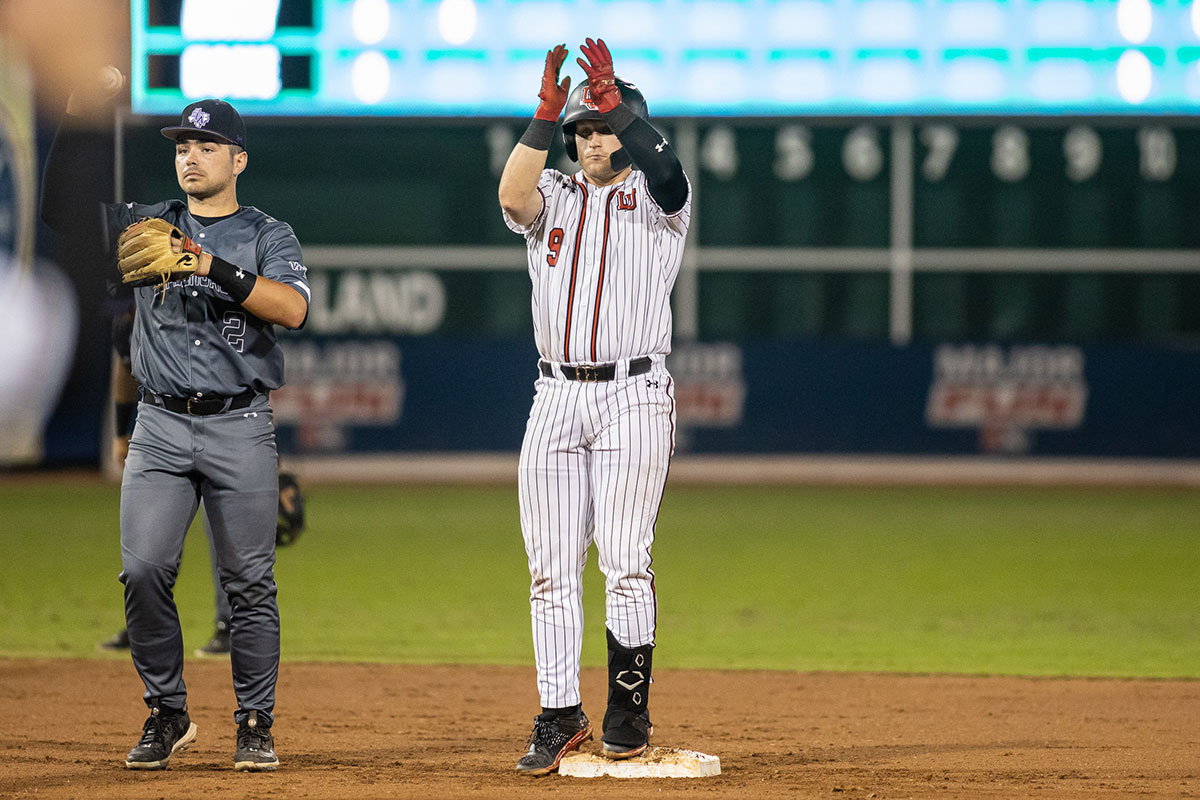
(1075, 229)
(946, 228)
(691, 57)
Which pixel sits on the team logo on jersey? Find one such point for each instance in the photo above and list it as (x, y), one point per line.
(199, 117)
(627, 201)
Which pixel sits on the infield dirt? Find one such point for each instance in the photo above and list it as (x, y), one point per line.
(396, 731)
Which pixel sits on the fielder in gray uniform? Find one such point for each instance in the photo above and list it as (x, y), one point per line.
(292, 512)
(125, 395)
(205, 354)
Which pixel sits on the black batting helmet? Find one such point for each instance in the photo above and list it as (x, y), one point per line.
(580, 106)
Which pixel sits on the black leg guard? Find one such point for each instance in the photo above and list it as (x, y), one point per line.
(627, 725)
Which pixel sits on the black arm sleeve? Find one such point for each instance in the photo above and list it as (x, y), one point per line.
(653, 155)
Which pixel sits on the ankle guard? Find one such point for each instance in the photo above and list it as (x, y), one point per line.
(627, 722)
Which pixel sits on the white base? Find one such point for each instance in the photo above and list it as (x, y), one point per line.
(656, 762)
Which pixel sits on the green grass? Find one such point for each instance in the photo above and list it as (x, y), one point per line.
(1009, 581)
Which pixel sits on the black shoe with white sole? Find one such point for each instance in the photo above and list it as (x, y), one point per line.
(164, 733)
(255, 746)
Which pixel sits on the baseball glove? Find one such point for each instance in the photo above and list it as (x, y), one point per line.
(145, 257)
(291, 511)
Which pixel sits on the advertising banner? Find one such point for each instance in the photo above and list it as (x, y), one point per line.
(406, 393)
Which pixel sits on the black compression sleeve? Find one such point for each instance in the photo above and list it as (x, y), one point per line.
(653, 155)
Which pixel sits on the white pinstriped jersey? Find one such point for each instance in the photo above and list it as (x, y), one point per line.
(603, 261)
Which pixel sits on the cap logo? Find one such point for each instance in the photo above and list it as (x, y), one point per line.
(587, 99)
(199, 117)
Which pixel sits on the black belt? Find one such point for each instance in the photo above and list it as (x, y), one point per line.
(197, 407)
(597, 372)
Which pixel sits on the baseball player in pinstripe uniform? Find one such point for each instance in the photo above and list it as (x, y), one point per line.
(205, 355)
(605, 245)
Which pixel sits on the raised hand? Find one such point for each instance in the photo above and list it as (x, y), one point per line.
(553, 94)
(601, 80)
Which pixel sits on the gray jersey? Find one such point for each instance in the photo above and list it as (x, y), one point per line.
(204, 343)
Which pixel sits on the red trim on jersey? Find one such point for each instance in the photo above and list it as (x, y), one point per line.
(603, 258)
(574, 266)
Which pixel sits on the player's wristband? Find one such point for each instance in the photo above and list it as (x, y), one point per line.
(234, 280)
(124, 418)
(538, 134)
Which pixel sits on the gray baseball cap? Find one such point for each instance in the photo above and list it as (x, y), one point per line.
(209, 119)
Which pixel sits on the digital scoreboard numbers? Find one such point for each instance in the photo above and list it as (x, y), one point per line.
(691, 57)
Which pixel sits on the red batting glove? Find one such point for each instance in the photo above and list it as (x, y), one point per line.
(601, 80)
(553, 94)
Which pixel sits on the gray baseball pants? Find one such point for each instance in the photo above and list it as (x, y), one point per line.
(229, 460)
(221, 599)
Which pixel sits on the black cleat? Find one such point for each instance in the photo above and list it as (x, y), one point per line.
(552, 738)
(255, 746)
(163, 734)
(218, 645)
(626, 735)
(119, 641)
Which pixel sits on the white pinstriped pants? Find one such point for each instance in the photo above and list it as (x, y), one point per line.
(593, 466)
